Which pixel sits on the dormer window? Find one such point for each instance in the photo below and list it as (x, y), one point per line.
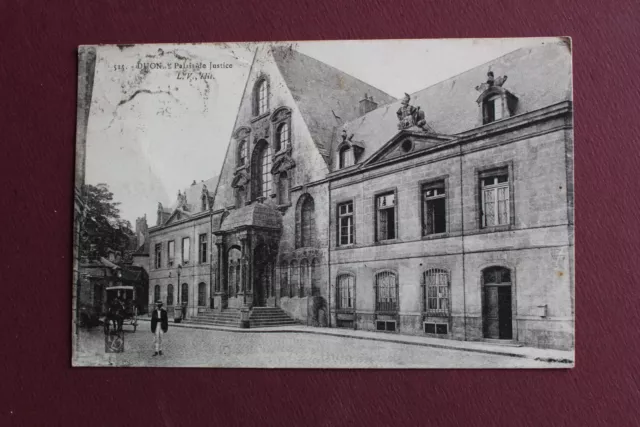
(346, 157)
(283, 137)
(261, 97)
(492, 109)
(496, 103)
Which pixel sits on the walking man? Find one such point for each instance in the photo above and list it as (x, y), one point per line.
(159, 315)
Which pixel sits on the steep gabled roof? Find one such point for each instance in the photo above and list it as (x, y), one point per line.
(326, 96)
(539, 76)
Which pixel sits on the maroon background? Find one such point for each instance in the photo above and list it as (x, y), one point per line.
(38, 94)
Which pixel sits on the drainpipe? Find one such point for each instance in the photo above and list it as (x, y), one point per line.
(329, 260)
(210, 239)
(464, 286)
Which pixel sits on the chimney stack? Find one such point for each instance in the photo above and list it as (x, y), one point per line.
(367, 104)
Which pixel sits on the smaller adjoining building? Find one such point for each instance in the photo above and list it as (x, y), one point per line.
(178, 251)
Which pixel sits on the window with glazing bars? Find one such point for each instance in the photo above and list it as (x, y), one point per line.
(386, 291)
(158, 251)
(495, 199)
(434, 208)
(203, 248)
(386, 216)
(436, 291)
(169, 295)
(265, 171)
(345, 292)
(171, 253)
(283, 137)
(345, 223)
(186, 250)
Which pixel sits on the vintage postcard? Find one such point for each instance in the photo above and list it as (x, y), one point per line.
(330, 204)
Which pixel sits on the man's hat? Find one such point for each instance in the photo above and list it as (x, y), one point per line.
(158, 302)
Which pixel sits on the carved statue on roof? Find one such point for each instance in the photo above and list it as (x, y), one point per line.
(410, 116)
(491, 82)
(182, 199)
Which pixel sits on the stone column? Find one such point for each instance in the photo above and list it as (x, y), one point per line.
(220, 298)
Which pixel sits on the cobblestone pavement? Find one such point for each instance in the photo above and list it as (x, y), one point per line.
(204, 348)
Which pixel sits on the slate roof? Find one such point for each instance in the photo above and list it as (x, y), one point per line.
(323, 92)
(194, 192)
(255, 214)
(539, 76)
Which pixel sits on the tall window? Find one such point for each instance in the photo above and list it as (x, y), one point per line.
(304, 277)
(242, 152)
(345, 223)
(158, 251)
(345, 288)
(436, 291)
(184, 294)
(307, 222)
(284, 279)
(169, 295)
(156, 293)
(202, 294)
(261, 98)
(386, 217)
(293, 278)
(283, 136)
(386, 291)
(203, 248)
(171, 252)
(492, 109)
(315, 278)
(186, 250)
(434, 209)
(346, 157)
(495, 198)
(262, 170)
(283, 188)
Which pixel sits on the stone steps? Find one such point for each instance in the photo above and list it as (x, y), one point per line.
(261, 317)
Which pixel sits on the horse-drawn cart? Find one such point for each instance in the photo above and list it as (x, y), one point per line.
(121, 309)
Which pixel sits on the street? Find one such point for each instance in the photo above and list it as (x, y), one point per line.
(186, 347)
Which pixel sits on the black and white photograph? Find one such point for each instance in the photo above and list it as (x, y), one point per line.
(347, 204)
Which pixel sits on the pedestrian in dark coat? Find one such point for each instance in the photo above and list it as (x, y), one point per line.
(159, 315)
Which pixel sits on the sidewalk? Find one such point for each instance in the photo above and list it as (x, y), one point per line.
(547, 355)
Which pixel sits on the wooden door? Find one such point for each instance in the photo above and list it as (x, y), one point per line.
(504, 312)
(491, 312)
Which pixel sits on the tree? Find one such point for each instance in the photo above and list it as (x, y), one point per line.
(103, 231)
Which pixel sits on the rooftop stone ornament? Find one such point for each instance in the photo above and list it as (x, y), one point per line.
(491, 82)
(410, 116)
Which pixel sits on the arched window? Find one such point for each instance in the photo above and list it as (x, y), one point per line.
(261, 97)
(156, 294)
(169, 295)
(386, 284)
(304, 277)
(496, 275)
(293, 278)
(242, 152)
(346, 157)
(261, 170)
(202, 294)
(305, 222)
(435, 292)
(184, 294)
(283, 136)
(315, 278)
(345, 292)
(284, 279)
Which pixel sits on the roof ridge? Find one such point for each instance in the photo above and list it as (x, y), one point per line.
(280, 47)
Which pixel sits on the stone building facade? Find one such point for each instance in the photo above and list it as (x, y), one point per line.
(448, 213)
(179, 254)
